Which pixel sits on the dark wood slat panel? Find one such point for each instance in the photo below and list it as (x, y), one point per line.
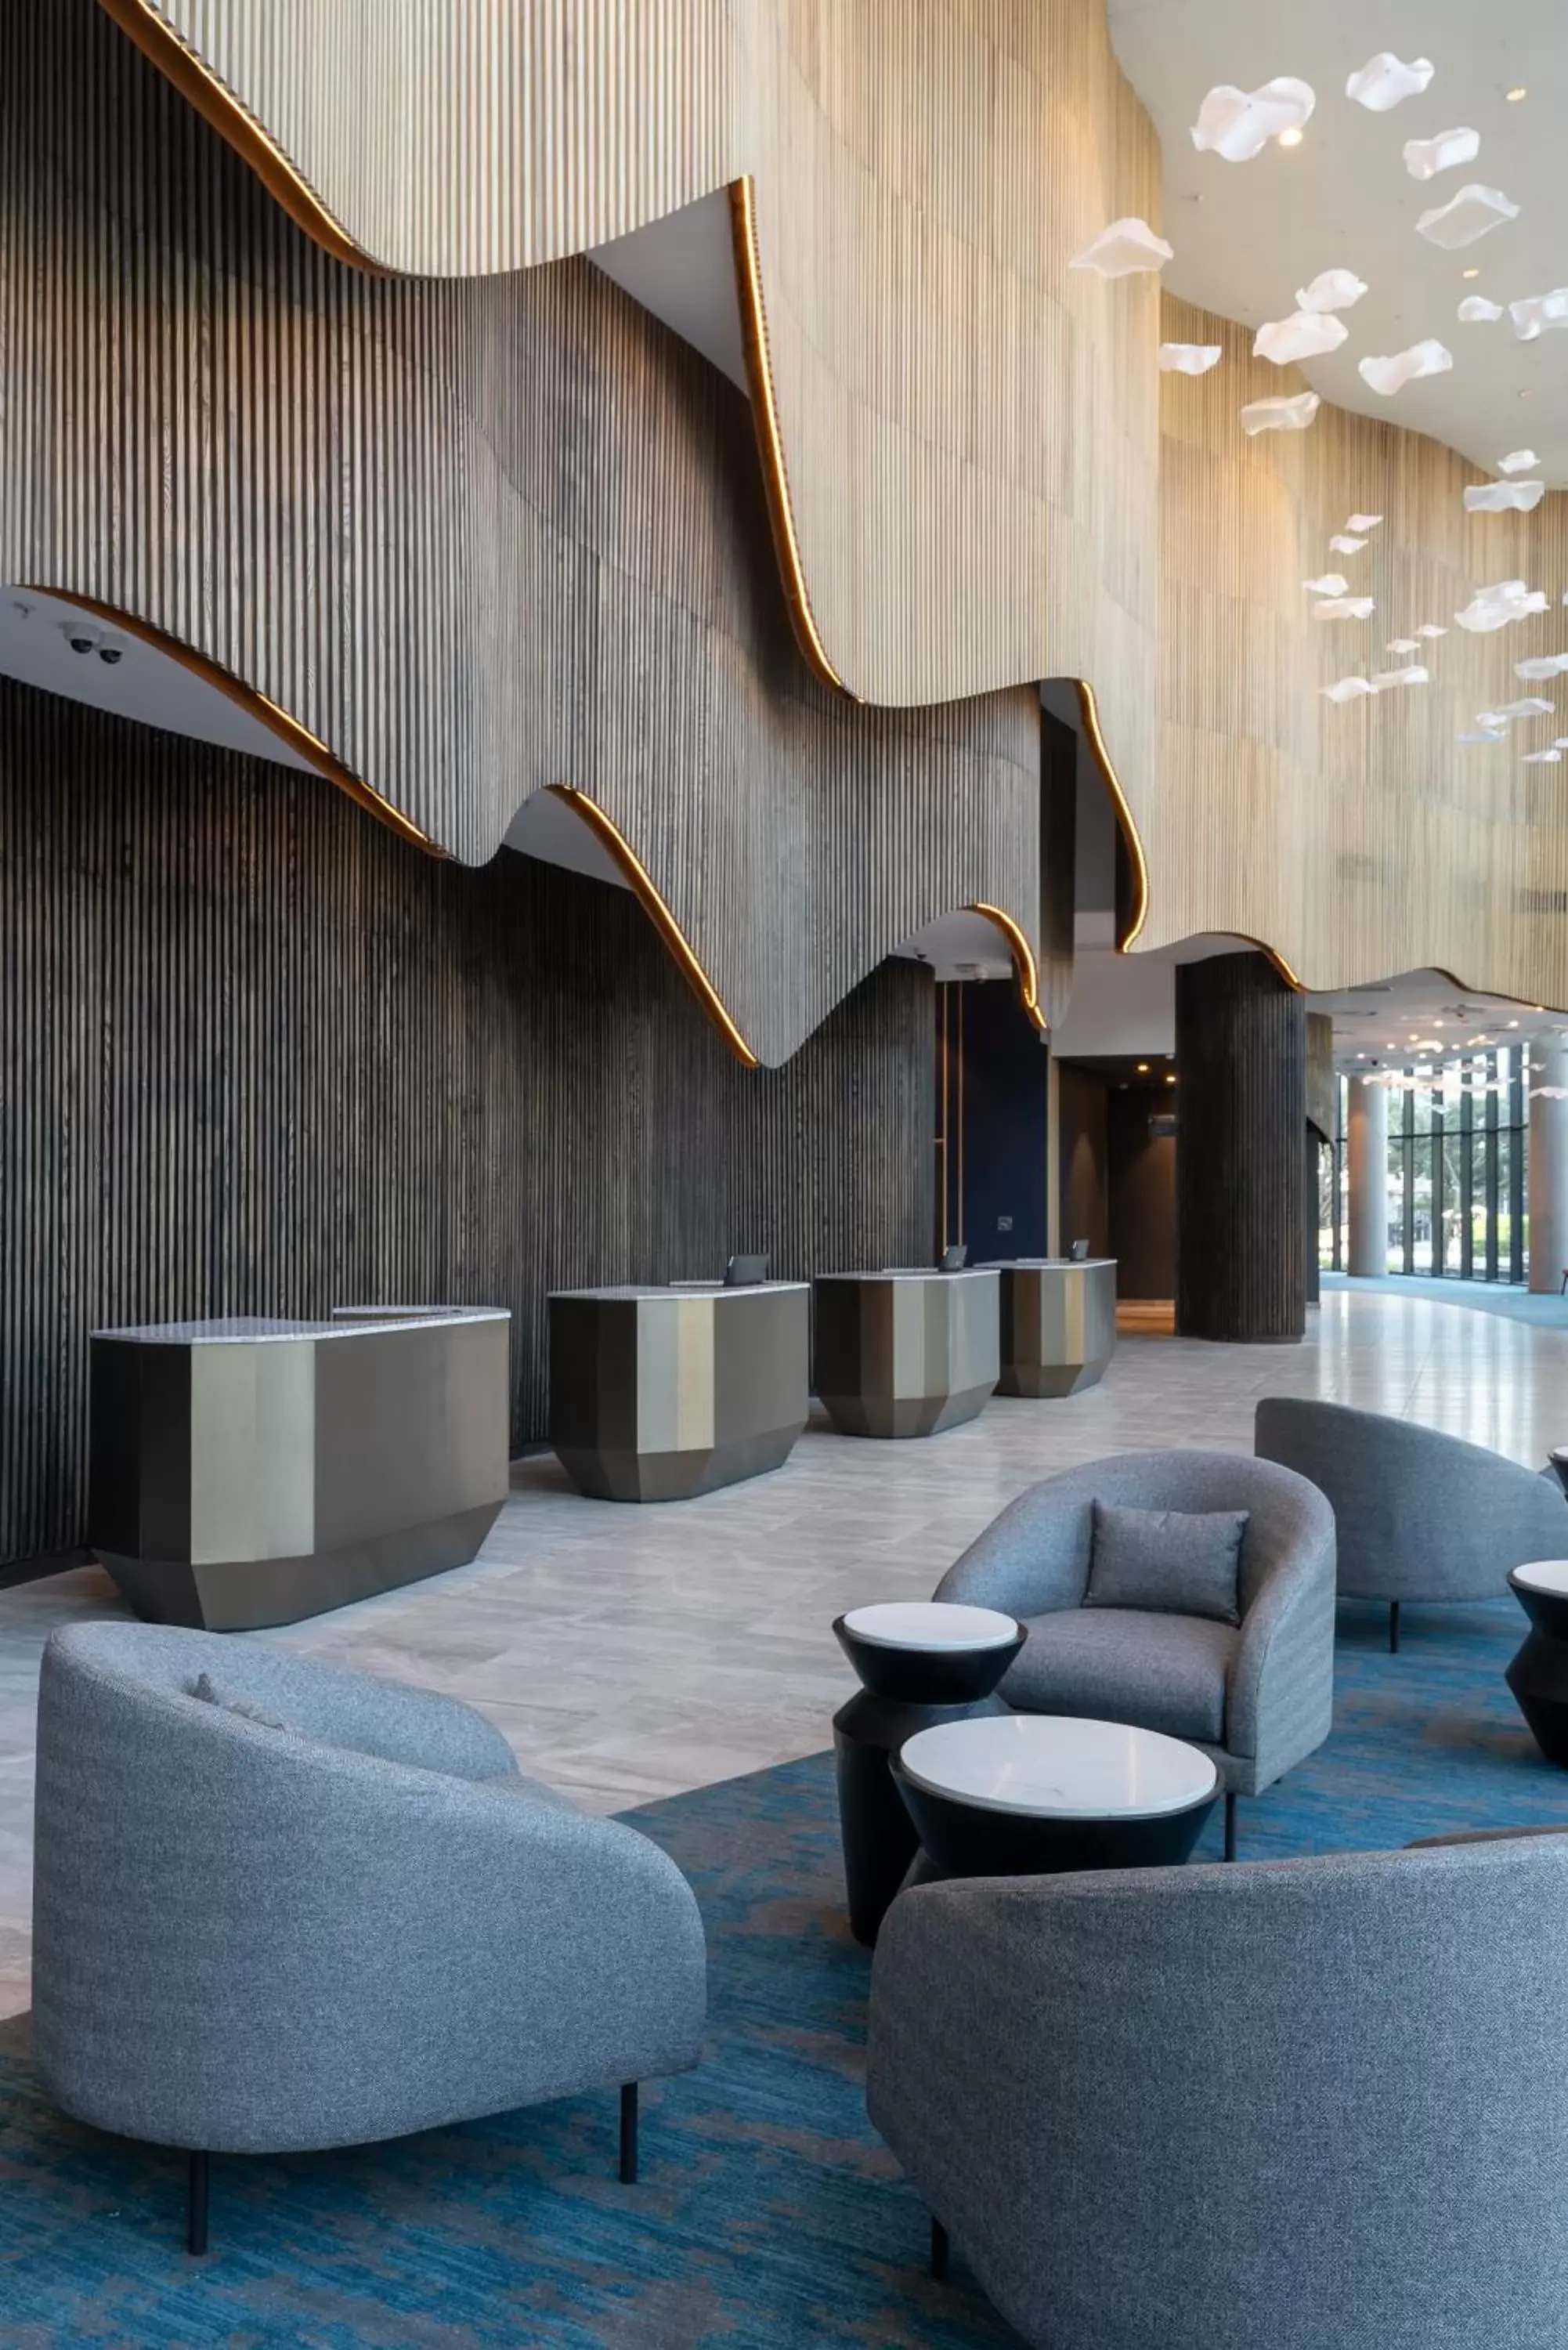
(1241, 1161)
(479, 537)
(258, 1055)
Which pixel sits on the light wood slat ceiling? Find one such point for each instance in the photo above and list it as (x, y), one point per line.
(923, 176)
(986, 475)
(1364, 839)
(479, 538)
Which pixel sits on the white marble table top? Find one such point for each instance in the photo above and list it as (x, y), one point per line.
(1051, 1766)
(930, 1623)
(1548, 1575)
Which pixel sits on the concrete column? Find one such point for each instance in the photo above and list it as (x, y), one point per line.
(1548, 1194)
(1368, 1155)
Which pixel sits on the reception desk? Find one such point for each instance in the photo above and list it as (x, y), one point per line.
(252, 1472)
(657, 1394)
(1058, 1324)
(906, 1353)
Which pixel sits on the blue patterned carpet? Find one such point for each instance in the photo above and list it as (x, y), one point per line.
(768, 2216)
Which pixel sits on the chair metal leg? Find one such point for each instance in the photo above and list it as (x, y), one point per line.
(196, 2206)
(1393, 1628)
(628, 2135)
(1230, 1827)
(939, 2252)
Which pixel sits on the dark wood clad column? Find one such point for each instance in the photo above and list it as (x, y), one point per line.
(1241, 1169)
(1320, 1126)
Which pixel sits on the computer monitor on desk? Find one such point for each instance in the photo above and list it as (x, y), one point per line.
(954, 1259)
(1079, 1251)
(745, 1271)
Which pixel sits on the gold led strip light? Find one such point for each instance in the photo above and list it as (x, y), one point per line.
(770, 440)
(1090, 709)
(233, 119)
(268, 713)
(654, 904)
(1024, 962)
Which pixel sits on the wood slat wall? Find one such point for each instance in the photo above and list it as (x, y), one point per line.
(1240, 1154)
(258, 1055)
(1362, 839)
(479, 537)
(970, 432)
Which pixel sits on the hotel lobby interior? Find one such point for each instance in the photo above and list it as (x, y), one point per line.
(784, 1165)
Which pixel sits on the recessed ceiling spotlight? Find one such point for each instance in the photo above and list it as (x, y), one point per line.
(1143, 1068)
(1513, 96)
(1470, 273)
(1292, 137)
(1170, 1080)
(1513, 1024)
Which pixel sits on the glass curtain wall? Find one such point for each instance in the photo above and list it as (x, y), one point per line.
(1458, 1139)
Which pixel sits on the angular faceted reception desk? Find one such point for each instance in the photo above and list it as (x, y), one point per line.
(905, 1353)
(657, 1394)
(250, 1473)
(1058, 1324)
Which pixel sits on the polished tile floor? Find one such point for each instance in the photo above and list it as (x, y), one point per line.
(633, 1653)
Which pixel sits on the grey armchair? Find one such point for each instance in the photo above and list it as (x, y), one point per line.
(1418, 1515)
(1257, 1699)
(1303, 2104)
(324, 1909)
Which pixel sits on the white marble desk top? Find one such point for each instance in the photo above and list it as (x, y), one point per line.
(1043, 1264)
(254, 1329)
(620, 1293)
(916, 1272)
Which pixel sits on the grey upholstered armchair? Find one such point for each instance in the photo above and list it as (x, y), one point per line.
(1258, 1696)
(1298, 2104)
(310, 1909)
(1418, 1515)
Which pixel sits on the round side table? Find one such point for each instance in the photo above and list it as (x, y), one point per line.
(1039, 1794)
(1537, 1675)
(920, 1663)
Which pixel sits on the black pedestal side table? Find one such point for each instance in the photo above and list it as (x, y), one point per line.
(1040, 1795)
(920, 1663)
(1537, 1675)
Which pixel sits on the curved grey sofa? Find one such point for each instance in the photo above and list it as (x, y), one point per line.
(1418, 1515)
(257, 1939)
(1310, 2104)
(1257, 1699)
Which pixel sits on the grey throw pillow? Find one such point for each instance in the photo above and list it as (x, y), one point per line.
(1176, 1562)
(206, 1688)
